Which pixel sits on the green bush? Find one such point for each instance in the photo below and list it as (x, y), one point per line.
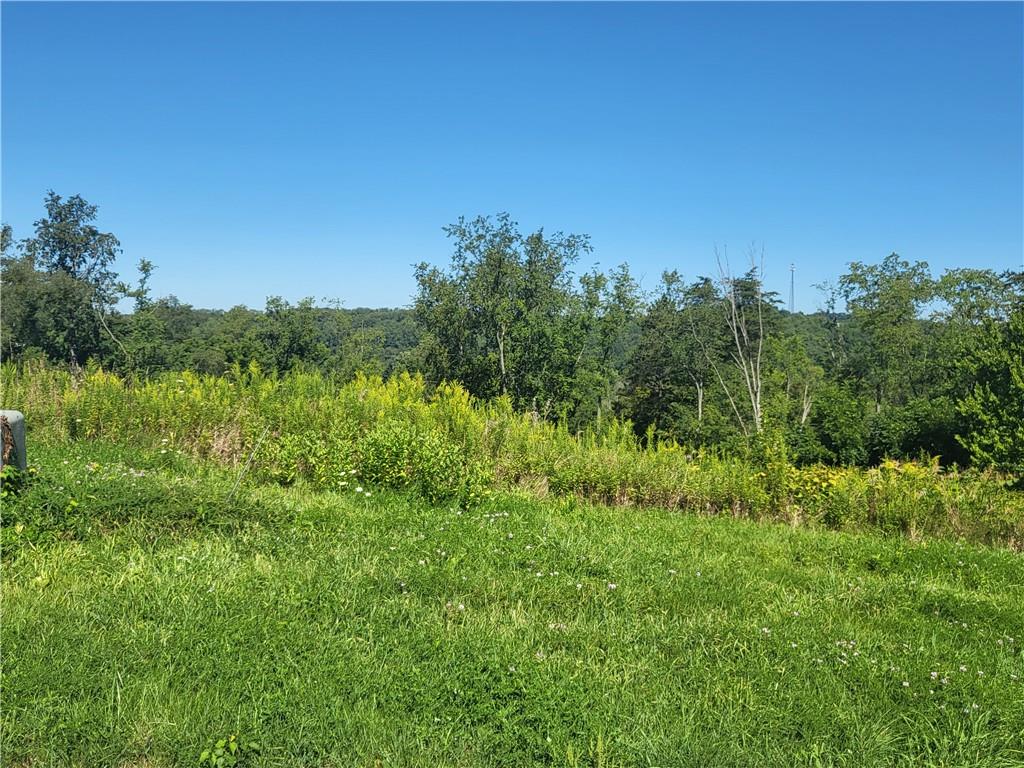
(403, 455)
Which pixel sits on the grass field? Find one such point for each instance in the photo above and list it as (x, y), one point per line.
(149, 613)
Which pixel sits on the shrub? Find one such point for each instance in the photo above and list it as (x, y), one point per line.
(402, 455)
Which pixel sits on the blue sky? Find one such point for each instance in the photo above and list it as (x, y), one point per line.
(318, 149)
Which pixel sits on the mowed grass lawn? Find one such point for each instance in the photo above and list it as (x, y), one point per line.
(148, 614)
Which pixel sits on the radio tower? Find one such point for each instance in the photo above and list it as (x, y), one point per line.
(792, 271)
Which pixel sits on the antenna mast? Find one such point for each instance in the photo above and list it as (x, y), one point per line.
(792, 271)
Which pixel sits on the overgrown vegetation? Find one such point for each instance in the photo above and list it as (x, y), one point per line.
(154, 613)
(447, 446)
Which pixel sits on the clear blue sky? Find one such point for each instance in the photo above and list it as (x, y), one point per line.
(318, 149)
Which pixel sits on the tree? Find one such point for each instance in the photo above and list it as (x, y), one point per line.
(746, 312)
(62, 285)
(609, 320)
(67, 242)
(885, 301)
(223, 340)
(51, 314)
(796, 379)
(670, 368)
(971, 301)
(504, 318)
(290, 335)
(993, 411)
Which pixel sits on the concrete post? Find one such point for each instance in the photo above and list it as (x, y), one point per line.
(12, 439)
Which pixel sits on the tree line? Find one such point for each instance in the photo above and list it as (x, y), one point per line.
(897, 363)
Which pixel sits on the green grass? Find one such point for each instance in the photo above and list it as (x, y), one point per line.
(159, 613)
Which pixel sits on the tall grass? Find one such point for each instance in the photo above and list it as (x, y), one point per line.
(446, 445)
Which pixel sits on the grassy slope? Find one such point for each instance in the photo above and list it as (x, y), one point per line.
(157, 616)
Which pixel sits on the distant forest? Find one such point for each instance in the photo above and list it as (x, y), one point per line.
(900, 363)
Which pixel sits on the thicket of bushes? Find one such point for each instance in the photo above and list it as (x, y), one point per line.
(450, 447)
